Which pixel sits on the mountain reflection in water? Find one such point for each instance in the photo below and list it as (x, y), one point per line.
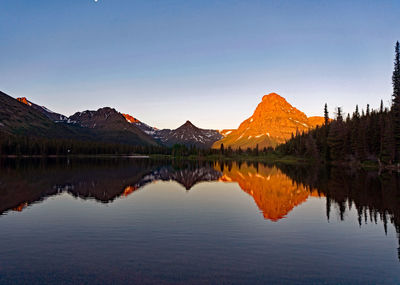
(274, 193)
(276, 190)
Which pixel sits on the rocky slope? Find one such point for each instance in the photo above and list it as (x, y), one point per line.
(188, 134)
(142, 126)
(21, 118)
(48, 113)
(24, 118)
(112, 126)
(273, 122)
(225, 132)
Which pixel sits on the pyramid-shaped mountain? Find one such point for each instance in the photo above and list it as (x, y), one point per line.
(273, 122)
(187, 134)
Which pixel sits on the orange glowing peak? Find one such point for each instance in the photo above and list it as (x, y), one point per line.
(24, 100)
(273, 96)
(130, 119)
(273, 122)
(20, 207)
(129, 190)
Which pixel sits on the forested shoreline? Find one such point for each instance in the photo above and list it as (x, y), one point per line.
(370, 135)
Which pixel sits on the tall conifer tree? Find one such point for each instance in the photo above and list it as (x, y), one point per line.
(326, 114)
(326, 132)
(396, 101)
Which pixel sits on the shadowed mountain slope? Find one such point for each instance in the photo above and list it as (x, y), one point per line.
(23, 118)
(17, 118)
(111, 126)
(188, 134)
(48, 113)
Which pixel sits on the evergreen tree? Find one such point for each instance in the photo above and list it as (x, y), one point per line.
(387, 153)
(360, 141)
(336, 137)
(396, 101)
(339, 115)
(311, 148)
(325, 147)
(326, 114)
(356, 114)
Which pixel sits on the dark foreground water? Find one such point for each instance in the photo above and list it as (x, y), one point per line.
(127, 221)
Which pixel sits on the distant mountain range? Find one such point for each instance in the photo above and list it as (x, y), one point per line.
(187, 134)
(273, 122)
(23, 117)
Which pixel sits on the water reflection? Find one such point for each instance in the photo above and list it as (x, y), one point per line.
(375, 197)
(274, 193)
(276, 189)
(23, 182)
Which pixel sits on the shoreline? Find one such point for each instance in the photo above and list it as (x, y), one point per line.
(271, 158)
(76, 156)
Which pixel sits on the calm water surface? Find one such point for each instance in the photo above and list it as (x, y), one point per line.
(127, 221)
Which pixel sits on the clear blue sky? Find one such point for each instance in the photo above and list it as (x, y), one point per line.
(165, 62)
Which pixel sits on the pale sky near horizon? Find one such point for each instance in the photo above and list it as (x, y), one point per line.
(209, 62)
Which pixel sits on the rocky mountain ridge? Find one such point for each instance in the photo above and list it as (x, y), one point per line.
(56, 117)
(273, 122)
(187, 134)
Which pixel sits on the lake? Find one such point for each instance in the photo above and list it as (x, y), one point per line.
(127, 221)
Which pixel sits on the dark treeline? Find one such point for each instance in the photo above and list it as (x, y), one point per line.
(182, 150)
(39, 146)
(360, 137)
(366, 135)
(32, 146)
